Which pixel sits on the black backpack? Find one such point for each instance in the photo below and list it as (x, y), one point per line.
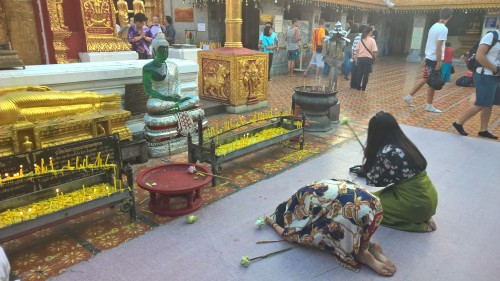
(472, 63)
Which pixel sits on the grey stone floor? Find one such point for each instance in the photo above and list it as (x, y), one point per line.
(464, 170)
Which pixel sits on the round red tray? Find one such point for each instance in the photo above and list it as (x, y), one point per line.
(173, 179)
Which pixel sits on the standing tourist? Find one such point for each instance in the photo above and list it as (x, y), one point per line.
(318, 39)
(169, 30)
(409, 198)
(347, 65)
(487, 81)
(338, 217)
(274, 36)
(156, 26)
(354, 66)
(268, 45)
(366, 54)
(434, 55)
(140, 36)
(292, 38)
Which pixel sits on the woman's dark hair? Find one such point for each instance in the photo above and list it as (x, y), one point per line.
(354, 28)
(365, 31)
(267, 31)
(169, 19)
(383, 129)
(350, 24)
(140, 17)
(361, 28)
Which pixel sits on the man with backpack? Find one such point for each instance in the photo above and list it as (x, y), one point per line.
(434, 55)
(487, 81)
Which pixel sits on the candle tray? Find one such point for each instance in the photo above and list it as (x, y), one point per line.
(34, 185)
(204, 152)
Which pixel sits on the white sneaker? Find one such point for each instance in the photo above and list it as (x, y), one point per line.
(407, 99)
(432, 109)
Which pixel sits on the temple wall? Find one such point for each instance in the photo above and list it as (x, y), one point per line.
(199, 15)
(19, 27)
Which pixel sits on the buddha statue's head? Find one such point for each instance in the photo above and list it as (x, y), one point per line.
(160, 47)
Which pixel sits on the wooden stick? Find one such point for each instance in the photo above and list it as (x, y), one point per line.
(203, 173)
(269, 241)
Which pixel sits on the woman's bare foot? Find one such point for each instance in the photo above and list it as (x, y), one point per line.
(381, 257)
(365, 257)
(431, 225)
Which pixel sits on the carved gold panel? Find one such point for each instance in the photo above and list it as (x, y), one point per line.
(233, 78)
(99, 24)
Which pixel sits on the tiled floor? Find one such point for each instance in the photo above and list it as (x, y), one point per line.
(49, 252)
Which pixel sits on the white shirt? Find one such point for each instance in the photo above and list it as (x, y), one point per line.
(4, 266)
(492, 55)
(438, 31)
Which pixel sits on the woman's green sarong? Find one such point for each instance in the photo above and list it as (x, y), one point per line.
(408, 204)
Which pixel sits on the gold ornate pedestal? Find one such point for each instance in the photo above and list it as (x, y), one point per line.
(233, 76)
(37, 117)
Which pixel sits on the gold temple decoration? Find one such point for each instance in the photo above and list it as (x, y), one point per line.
(122, 8)
(154, 8)
(215, 80)
(34, 117)
(138, 6)
(18, 26)
(233, 24)
(59, 30)
(99, 25)
(233, 76)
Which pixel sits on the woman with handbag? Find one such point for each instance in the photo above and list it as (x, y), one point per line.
(366, 53)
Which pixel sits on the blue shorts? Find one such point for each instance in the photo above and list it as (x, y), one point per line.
(486, 88)
(293, 55)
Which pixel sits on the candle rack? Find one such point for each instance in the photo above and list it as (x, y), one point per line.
(244, 141)
(55, 178)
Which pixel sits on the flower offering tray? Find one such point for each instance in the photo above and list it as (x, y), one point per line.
(45, 187)
(248, 139)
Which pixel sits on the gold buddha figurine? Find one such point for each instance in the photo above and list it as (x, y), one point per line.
(36, 103)
(138, 6)
(122, 8)
(27, 144)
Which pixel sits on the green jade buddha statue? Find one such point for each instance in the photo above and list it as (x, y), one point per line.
(170, 113)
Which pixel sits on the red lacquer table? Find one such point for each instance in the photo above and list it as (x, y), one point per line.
(172, 179)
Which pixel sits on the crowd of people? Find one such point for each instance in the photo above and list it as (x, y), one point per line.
(140, 35)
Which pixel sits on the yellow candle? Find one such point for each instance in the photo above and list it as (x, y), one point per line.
(22, 215)
(76, 162)
(97, 159)
(57, 192)
(106, 163)
(114, 179)
(29, 213)
(107, 190)
(69, 164)
(51, 164)
(86, 160)
(20, 170)
(42, 165)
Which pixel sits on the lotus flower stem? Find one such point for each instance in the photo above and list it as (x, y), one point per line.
(271, 254)
(357, 138)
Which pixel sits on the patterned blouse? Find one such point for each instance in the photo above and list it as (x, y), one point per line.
(391, 166)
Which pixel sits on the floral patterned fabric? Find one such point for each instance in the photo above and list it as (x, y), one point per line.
(336, 216)
(391, 166)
